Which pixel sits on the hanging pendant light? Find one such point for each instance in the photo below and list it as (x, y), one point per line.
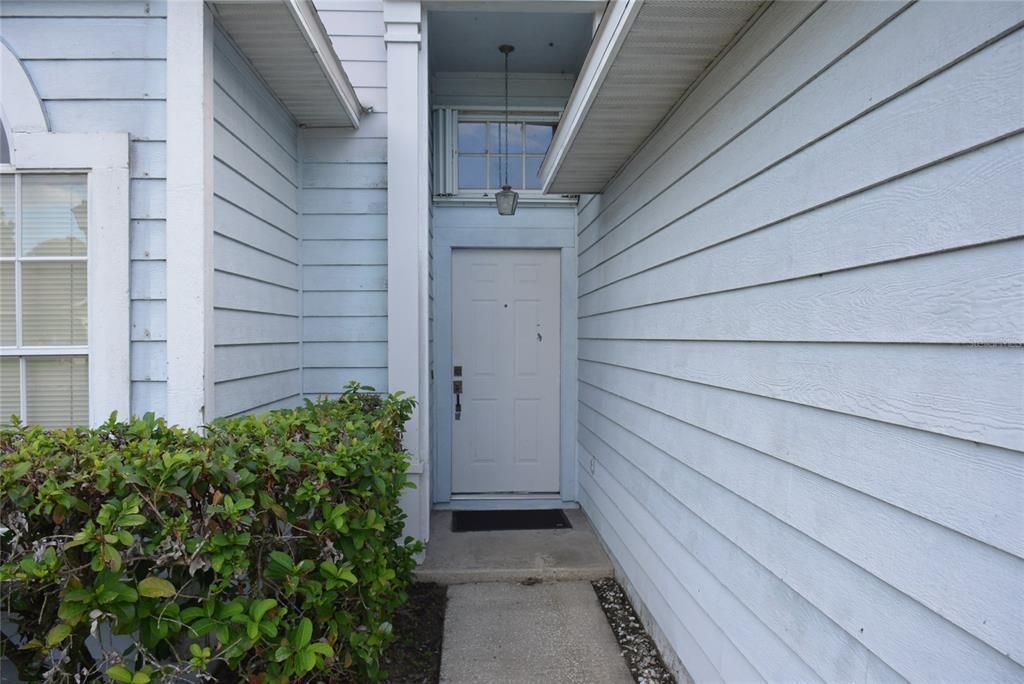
(507, 200)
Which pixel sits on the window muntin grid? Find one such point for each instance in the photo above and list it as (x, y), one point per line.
(479, 151)
(44, 298)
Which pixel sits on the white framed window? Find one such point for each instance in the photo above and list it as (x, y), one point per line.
(470, 159)
(64, 278)
(44, 343)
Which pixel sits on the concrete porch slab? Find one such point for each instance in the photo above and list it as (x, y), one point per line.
(512, 556)
(515, 634)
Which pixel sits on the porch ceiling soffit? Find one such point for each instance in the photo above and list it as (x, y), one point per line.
(645, 56)
(291, 51)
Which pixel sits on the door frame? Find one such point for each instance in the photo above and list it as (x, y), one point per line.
(446, 240)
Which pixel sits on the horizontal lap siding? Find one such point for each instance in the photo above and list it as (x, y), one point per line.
(100, 67)
(801, 317)
(343, 202)
(256, 287)
(357, 33)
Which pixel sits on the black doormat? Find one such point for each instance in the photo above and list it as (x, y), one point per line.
(483, 521)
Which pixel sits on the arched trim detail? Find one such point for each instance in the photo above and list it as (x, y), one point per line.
(20, 106)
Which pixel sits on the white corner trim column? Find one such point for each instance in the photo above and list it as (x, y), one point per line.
(408, 237)
(189, 213)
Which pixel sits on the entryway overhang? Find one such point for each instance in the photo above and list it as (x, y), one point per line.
(646, 55)
(291, 51)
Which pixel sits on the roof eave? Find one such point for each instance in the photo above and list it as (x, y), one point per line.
(608, 39)
(312, 29)
(326, 97)
(646, 59)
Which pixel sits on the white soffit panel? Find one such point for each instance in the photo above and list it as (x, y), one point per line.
(645, 56)
(289, 48)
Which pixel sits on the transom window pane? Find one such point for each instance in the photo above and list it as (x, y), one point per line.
(496, 143)
(473, 172)
(515, 171)
(472, 137)
(44, 298)
(533, 172)
(538, 137)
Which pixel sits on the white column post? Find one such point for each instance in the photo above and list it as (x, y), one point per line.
(189, 213)
(408, 216)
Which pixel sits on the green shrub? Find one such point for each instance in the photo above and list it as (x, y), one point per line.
(271, 546)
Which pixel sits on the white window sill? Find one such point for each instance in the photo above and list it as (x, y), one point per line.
(525, 200)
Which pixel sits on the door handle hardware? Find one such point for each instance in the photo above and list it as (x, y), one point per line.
(457, 371)
(457, 386)
(457, 389)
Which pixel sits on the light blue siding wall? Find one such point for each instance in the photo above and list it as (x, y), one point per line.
(100, 67)
(256, 242)
(801, 316)
(344, 218)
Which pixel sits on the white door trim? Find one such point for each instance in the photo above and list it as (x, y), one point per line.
(445, 241)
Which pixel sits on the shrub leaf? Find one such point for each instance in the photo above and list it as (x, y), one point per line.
(156, 587)
(58, 634)
(120, 673)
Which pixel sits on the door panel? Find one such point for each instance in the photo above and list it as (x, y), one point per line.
(506, 337)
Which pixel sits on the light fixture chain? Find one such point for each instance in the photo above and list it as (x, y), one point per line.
(506, 119)
(507, 199)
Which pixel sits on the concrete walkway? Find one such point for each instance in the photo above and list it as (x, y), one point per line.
(505, 633)
(521, 609)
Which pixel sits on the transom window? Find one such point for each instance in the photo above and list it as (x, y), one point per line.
(470, 151)
(481, 145)
(44, 298)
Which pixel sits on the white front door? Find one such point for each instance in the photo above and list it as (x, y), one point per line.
(506, 350)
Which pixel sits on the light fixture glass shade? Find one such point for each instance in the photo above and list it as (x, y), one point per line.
(507, 200)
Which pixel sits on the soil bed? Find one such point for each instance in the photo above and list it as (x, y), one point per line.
(637, 646)
(415, 655)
